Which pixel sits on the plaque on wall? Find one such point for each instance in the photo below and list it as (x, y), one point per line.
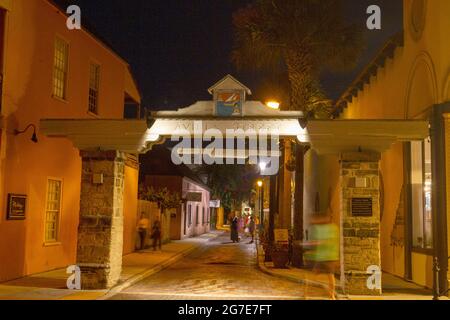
(281, 235)
(362, 207)
(17, 204)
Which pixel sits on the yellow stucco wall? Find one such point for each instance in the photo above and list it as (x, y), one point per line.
(31, 28)
(391, 166)
(130, 209)
(407, 87)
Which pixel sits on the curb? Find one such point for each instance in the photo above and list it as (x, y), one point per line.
(149, 272)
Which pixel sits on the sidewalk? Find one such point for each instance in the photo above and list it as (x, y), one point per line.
(394, 288)
(136, 266)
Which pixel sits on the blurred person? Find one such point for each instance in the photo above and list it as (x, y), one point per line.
(142, 228)
(234, 229)
(323, 250)
(251, 229)
(156, 234)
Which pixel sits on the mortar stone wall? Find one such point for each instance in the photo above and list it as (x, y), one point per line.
(361, 235)
(100, 231)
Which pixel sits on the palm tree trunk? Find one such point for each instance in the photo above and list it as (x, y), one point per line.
(300, 77)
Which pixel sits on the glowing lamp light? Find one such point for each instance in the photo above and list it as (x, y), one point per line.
(262, 166)
(273, 105)
(260, 183)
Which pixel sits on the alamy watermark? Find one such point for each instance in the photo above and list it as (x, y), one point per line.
(374, 280)
(74, 280)
(74, 20)
(236, 146)
(74, 17)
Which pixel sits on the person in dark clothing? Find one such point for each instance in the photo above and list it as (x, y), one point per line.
(156, 235)
(251, 229)
(234, 230)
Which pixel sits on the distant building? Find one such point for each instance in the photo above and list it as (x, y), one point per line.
(193, 217)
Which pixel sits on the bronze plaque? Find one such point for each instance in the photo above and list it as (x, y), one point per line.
(362, 207)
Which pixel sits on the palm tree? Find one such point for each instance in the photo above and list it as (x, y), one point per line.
(301, 38)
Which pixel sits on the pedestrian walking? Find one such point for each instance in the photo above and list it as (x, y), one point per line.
(234, 230)
(142, 229)
(251, 229)
(324, 250)
(156, 235)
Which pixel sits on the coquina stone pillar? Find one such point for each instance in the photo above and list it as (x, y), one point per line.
(360, 223)
(100, 231)
(285, 188)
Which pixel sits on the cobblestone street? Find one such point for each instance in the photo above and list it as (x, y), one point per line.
(218, 270)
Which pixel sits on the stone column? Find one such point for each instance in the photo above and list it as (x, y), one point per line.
(447, 162)
(100, 230)
(285, 192)
(360, 221)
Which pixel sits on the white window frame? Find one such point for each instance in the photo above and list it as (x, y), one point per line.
(93, 63)
(55, 241)
(65, 72)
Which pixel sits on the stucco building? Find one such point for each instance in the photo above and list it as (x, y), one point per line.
(409, 79)
(49, 71)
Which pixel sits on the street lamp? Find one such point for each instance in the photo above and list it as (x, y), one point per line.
(272, 104)
(261, 204)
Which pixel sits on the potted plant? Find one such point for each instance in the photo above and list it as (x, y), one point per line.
(280, 256)
(265, 243)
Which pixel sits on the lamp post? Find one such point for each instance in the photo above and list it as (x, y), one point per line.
(261, 204)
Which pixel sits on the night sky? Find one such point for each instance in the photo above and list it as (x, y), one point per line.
(179, 48)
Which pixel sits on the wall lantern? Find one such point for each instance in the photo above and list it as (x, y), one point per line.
(33, 137)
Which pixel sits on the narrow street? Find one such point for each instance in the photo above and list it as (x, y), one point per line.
(218, 270)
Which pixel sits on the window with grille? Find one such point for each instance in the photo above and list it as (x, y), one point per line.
(53, 210)
(94, 85)
(60, 67)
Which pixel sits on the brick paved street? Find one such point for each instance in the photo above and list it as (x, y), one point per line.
(218, 270)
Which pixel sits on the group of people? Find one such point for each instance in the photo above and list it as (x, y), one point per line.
(237, 224)
(155, 234)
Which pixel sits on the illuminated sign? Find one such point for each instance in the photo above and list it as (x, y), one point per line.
(229, 104)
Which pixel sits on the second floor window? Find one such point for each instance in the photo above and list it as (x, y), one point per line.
(60, 67)
(94, 85)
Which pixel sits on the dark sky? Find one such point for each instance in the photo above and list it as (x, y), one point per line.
(178, 48)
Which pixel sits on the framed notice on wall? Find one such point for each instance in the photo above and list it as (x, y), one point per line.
(17, 204)
(362, 207)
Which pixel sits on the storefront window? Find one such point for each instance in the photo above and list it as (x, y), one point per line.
(421, 183)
